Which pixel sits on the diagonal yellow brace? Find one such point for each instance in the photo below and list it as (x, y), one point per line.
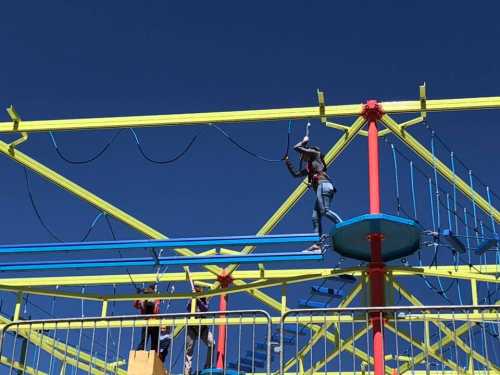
(446, 172)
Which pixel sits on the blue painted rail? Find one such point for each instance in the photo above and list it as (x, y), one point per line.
(162, 244)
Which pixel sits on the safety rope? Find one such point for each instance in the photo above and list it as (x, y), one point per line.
(255, 155)
(155, 161)
(398, 201)
(42, 221)
(120, 253)
(85, 161)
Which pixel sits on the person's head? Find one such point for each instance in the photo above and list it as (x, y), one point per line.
(198, 289)
(304, 156)
(149, 290)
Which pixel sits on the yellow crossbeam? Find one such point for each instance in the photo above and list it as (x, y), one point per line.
(460, 272)
(247, 115)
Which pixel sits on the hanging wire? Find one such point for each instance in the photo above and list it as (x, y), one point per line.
(42, 221)
(155, 161)
(452, 158)
(443, 143)
(35, 208)
(255, 155)
(85, 161)
(120, 253)
(442, 191)
(398, 202)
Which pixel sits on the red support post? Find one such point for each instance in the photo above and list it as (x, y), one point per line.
(225, 280)
(372, 111)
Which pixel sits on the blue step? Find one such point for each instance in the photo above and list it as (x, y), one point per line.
(485, 245)
(258, 355)
(454, 242)
(346, 278)
(218, 371)
(242, 367)
(287, 340)
(252, 362)
(329, 292)
(261, 347)
(313, 304)
(295, 331)
(276, 337)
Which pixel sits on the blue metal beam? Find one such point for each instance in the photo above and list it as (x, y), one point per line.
(155, 244)
(173, 260)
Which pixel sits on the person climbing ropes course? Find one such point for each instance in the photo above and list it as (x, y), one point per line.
(316, 171)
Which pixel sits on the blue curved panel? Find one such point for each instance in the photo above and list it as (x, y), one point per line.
(401, 237)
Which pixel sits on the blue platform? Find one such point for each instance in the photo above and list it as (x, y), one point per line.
(401, 237)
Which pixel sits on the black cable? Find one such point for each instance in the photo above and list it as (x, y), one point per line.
(91, 159)
(35, 209)
(120, 253)
(244, 149)
(42, 221)
(148, 158)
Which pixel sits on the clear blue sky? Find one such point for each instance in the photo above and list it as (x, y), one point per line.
(67, 59)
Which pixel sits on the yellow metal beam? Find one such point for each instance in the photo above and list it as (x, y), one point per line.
(20, 366)
(247, 115)
(50, 293)
(19, 304)
(442, 168)
(167, 277)
(459, 272)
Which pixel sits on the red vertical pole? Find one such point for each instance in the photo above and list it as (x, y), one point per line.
(372, 112)
(221, 338)
(225, 280)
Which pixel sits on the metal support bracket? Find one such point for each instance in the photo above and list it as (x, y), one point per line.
(14, 116)
(321, 102)
(416, 120)
(324, 120)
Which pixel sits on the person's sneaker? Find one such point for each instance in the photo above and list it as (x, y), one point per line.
(315, 248)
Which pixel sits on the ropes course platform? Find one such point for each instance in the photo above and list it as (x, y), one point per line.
(400, 237)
